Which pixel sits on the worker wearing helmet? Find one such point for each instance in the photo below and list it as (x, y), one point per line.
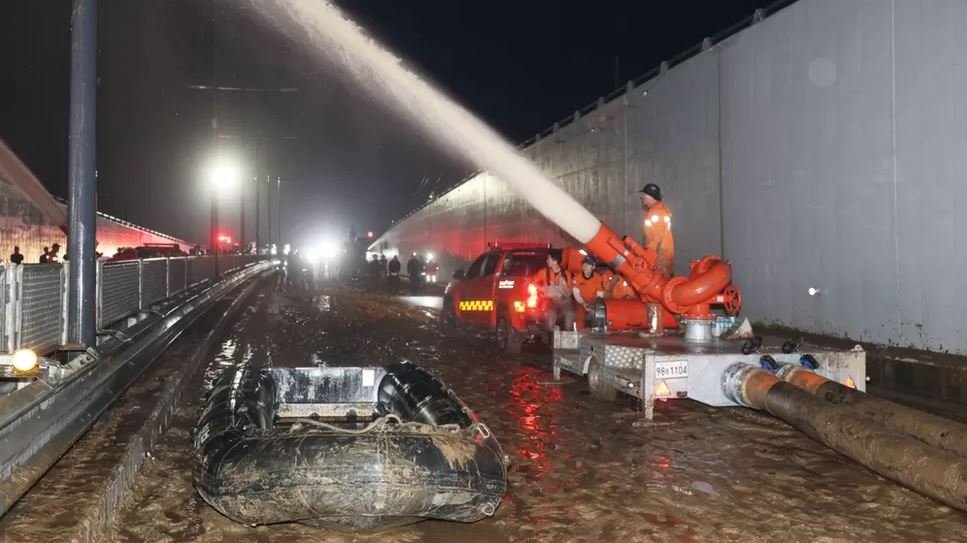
(587, 286)
(657, 229)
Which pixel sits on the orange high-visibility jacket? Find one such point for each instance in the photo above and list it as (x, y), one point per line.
(657, 231)
(589, 287)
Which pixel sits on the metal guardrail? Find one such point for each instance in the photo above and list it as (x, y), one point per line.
(33, 296)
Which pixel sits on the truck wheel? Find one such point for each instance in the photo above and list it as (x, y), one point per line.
(510, 341)
(448, 320)
(600, 389)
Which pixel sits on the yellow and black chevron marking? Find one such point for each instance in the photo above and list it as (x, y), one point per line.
(477, 305)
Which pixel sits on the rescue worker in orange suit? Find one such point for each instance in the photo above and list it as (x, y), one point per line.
(554, 285)
(587, 286)
(657, 229)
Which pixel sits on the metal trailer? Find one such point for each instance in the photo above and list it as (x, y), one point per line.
(669, 367)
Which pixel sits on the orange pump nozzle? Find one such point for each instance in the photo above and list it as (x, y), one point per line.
(709, 283)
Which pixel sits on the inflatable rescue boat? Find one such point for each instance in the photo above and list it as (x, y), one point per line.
(348, 448)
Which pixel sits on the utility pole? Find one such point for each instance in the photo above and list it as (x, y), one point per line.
(241, 217)
(82, 177)
(268, 204)
(258, 218)
(278, 208)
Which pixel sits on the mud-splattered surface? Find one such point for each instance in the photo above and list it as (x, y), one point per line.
(582, 470)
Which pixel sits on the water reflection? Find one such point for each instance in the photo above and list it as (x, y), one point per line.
(533, 407)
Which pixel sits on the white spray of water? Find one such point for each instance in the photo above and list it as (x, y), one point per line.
(450, 125)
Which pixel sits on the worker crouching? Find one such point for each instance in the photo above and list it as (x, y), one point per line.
(588, 287)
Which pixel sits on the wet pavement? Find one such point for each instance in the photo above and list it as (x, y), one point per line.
(582, 470)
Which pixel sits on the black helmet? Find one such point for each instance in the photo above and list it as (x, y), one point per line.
(652, 190)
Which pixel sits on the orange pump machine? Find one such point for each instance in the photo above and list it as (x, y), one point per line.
(662, 300)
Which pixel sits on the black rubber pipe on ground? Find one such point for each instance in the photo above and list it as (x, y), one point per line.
(931, 429)
(929, 470)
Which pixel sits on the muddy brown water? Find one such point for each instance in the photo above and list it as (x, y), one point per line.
(582, 470)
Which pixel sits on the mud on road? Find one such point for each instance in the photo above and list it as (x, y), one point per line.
(582, 470)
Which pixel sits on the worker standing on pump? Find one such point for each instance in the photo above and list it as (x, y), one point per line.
(554, 284)
(587, 287)
(657, 229)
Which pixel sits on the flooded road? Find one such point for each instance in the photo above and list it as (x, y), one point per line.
(582, 470)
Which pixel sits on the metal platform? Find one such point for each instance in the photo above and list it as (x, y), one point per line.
(668, 367)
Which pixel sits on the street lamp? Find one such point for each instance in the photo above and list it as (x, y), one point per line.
(222, 178)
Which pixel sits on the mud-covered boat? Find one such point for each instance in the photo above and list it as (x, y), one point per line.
(351, 448)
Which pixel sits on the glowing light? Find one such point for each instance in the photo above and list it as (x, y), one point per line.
(813, 291)
(850, 382)
(224, 239)
(286, 249)
(24, 360)
(369, 234)
(654, 218)
(429, 256)
(223, 174)
(311, 255)
(519, 306)
(532, 295)
(330, 249)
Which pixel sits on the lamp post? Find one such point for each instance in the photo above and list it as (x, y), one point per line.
(222, 179)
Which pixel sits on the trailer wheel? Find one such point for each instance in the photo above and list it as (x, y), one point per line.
(600, 390)
(510, 341)
(448, 320)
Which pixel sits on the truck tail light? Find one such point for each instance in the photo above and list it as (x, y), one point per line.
(532, 295)
(519, 306)
(662, 390)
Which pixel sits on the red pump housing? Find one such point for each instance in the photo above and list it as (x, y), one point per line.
(709, 283)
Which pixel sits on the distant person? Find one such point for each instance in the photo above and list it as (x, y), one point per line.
(383, 265)
(393, 277)
(373, 268)
(54, 255)
(414, 268)
(45, 256)
(16, 257)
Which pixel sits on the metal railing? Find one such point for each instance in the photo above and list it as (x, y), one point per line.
(33, 296)
(38, 306)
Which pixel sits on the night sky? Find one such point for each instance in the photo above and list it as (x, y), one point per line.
(344, 160)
